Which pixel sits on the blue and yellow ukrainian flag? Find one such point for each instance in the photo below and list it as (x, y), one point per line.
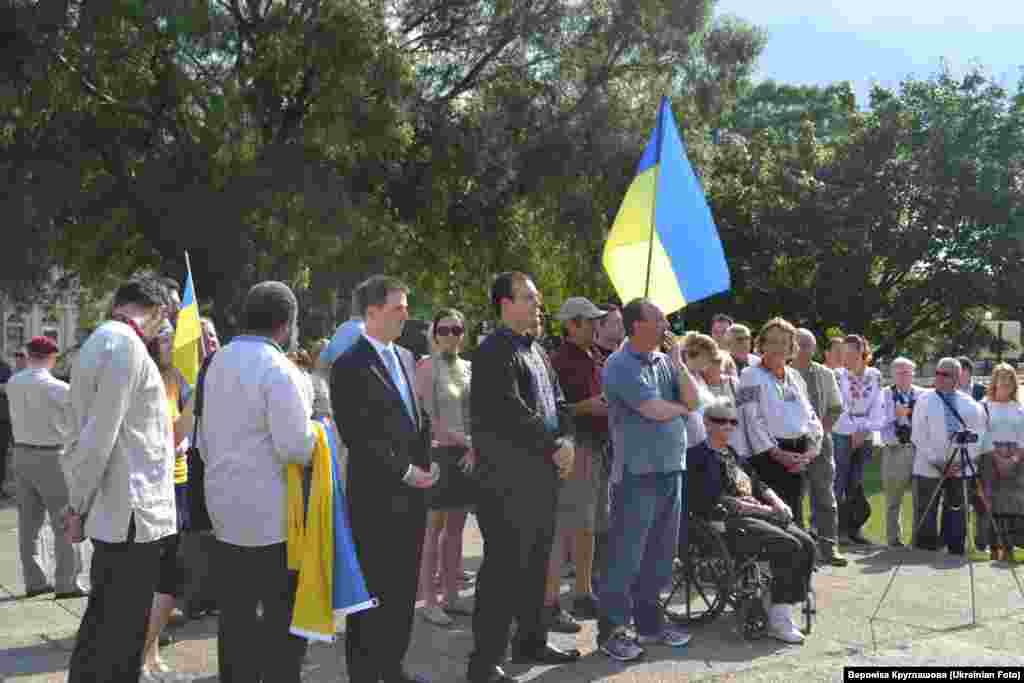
(664, 221)
(188, 333)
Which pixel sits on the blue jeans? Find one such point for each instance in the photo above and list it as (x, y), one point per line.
(849, 464)
(642, 540)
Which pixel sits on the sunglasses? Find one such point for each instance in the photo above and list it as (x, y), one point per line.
(445, 330)
(943, 373)
(724, 421)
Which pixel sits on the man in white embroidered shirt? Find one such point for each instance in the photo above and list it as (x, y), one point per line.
(119, 472)
(256, 420)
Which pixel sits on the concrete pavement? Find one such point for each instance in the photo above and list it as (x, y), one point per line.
(924, 621)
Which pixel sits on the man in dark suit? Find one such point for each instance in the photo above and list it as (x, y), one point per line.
(522, 432)
(388, 469)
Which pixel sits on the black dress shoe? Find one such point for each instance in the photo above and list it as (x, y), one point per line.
(549, 654)
(77, 593)
(38, 591)
(493, 675)
(858, 538)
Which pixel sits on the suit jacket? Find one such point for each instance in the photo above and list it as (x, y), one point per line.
(383, 440)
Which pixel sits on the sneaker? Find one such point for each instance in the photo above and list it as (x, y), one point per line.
(436, 616)
(671, 635)
(560, 621)
(781, 626)
(585, 606)
(621, 647)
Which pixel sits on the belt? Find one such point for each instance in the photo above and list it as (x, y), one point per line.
(37, 447)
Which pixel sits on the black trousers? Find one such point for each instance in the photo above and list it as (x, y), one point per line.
(518, 528)
(389, 543)
(6, 438)
(790, 552)
(954, 519)
(251, 649)
(788, 486)
(113, 629)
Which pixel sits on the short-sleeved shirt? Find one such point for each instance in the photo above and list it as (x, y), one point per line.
(579, 373)
(642, 445)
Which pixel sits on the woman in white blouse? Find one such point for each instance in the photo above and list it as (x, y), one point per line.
(863, 413)
(1001, 473)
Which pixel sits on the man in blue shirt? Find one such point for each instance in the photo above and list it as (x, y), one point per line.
(348, 333)
(649, 398)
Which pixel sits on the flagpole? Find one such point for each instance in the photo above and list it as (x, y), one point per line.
(654, 200)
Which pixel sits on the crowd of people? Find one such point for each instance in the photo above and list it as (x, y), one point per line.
(595, 455)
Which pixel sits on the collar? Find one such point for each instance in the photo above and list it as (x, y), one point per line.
(258, 338)
(38, 371)
(379, 345)
(522, 340)
(132, 324)
(646, 358)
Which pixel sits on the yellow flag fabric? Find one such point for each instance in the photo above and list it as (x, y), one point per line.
(188, 334)
(311, 544)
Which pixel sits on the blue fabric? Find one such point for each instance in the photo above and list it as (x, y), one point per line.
(345, 336)
(642, 538)
(849, 464)
(398, 377)
(952, 424)
(349, 584)
(643, 446)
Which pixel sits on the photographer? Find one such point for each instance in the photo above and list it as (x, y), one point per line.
(943, 419)
(898, 403)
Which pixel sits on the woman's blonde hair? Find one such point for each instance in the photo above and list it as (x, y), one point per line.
(1002, 369)
(778, 323)
(695, 342)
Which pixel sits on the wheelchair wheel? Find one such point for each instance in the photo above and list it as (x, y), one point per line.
(703, 579)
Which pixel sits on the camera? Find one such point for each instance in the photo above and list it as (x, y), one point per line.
(903, 433)
(965, 437)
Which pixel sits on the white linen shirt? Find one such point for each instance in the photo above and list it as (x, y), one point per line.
(1005, 424)
(889, 437)
(40, 408)
(770, 410)
(256, 420)
(931, 437)
(865, 413)
(120, 462)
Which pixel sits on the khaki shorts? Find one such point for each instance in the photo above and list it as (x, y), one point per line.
(578, 499)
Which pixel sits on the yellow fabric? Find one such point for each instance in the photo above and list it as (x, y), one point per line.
(311, 544)
(187, 336)
(180, 461)
(628, 247)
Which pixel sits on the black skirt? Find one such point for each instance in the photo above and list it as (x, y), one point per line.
(454, 489)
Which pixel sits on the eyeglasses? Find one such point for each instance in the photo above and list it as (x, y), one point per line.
(445, 330)
(724, 421)
(943, 373)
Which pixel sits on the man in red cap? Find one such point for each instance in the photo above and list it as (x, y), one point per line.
(39, 419)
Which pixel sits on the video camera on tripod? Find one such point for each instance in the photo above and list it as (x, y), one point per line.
(965, 437)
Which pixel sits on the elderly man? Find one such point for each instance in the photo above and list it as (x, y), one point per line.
(720, 487)
(898, 403)
(938, 416)
(823, 392)
(256, 420)
(120, 475)
(40, 418)
(648, 394)
(739, 342)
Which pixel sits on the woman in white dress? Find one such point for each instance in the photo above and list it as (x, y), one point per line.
(1000, 464)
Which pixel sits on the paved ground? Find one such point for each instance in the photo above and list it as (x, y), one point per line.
(924, 621)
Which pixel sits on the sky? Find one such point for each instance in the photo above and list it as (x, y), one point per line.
(884, 41)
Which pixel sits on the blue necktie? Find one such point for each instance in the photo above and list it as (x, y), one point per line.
(399, 380)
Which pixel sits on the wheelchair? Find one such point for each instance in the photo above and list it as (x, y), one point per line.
(718, 570)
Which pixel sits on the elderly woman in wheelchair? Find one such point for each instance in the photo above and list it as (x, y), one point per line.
(737, 524)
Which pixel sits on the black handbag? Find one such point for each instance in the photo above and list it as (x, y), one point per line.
(199, 515)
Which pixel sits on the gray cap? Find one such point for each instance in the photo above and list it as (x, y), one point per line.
(579, 307)
(721, 407)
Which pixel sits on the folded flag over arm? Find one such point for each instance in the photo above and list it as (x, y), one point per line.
(664, 243)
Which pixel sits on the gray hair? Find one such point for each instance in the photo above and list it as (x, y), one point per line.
(721, 407)
(950, 363)
(904, 363)
(804, 332)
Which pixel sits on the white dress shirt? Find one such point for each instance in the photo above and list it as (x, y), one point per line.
(256, 420)
(381, 348)
(771, 409)
(40, 408)
(121, 461)
(931, 437)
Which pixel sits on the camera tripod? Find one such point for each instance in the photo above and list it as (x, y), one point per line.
(968, 471)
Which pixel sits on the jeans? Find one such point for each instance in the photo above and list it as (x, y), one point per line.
(849, 467)
(642, 543)
(954, 521)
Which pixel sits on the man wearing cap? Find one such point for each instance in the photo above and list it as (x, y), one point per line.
(39, 420)
(579, 373)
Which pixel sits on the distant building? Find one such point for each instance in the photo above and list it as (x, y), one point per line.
(21, 320)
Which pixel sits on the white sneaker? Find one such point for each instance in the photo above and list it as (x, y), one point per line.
(781, 626)
(436, 616)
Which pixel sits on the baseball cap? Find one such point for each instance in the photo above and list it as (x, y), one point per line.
(42, 346)
(579, 307)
